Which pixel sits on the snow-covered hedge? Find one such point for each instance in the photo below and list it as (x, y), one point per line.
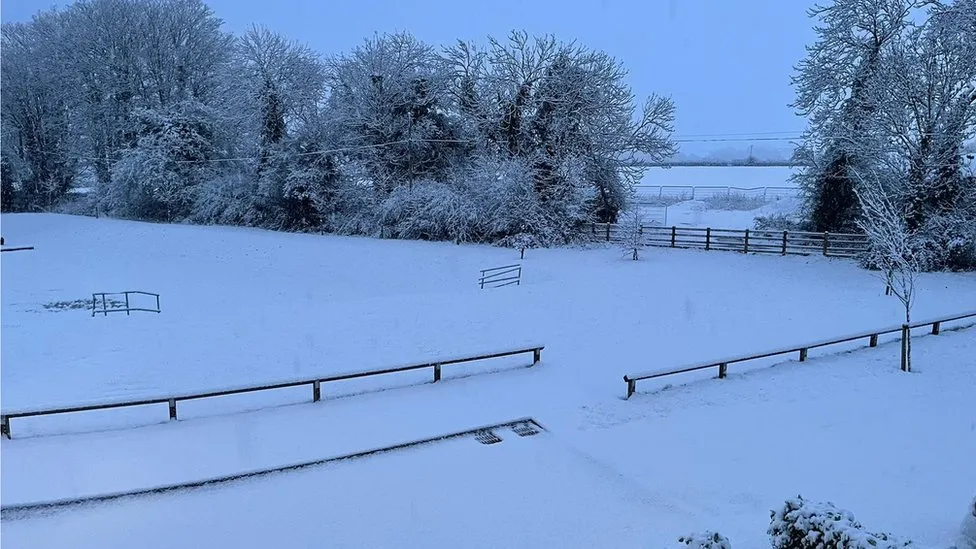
(705, 540)
(803, 524)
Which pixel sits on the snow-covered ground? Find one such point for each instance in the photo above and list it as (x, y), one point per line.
(242, 306)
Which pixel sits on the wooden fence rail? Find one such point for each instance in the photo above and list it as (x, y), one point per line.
(740, 240)
(870, 335)
(315, 384)
(105, 303)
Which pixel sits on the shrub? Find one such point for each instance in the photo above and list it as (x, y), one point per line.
(802, 524)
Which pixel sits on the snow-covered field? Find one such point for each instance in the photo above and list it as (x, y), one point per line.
(719, 176)
(699, 213)
(246, 306)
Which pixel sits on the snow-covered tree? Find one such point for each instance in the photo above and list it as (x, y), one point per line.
(124, 55)
(282, 81)
(556, 102)
(893, 245)
(929, 110)
(633, 231)
(835, 86)
(39, 149)
(157, 179)
(386, 96)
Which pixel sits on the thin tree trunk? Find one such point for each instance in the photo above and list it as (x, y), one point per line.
(908, 338)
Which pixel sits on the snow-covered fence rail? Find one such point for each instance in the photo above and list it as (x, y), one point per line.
(496, 277)
(697, 192)
(110, 306)
(740, 240)
(870, 335)
(315, 383)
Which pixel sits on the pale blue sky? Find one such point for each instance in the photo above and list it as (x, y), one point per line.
(726, 63)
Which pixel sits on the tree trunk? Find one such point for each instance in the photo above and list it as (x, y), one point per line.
(908, 339)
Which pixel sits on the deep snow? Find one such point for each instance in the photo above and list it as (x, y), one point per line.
(244, 306)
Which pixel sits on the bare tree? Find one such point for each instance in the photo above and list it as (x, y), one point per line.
(893, 247)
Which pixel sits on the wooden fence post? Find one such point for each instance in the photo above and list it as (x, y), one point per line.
(873, 341)
(784, 242)
(172, 408)
(722, 370)
(437, 373)
(316, 391)
(608, 231)
(5, 426)
(745, 248)
(936, 326)
(826, 243)
(536, 356)
(126, 303)
(803, 355)
(674, 231)
(631, 387)
(708, 238)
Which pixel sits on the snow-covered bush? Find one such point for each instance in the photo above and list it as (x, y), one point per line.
(157, 178)
(225, 200)
(705, 540)
(428, 211)
(803, 524)
(779, 222)
(967, 533)
(504, 192)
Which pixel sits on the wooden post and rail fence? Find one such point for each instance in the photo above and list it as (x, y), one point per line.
(315, 383)
(802, 350)
(739, 240)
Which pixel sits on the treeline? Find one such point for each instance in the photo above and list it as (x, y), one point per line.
(889, 90)
(169, 118)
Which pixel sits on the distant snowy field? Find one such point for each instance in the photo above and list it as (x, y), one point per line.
(720, 176)
(246, 306)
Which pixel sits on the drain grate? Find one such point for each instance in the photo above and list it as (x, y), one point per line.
(525, 430)
(487, 437)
